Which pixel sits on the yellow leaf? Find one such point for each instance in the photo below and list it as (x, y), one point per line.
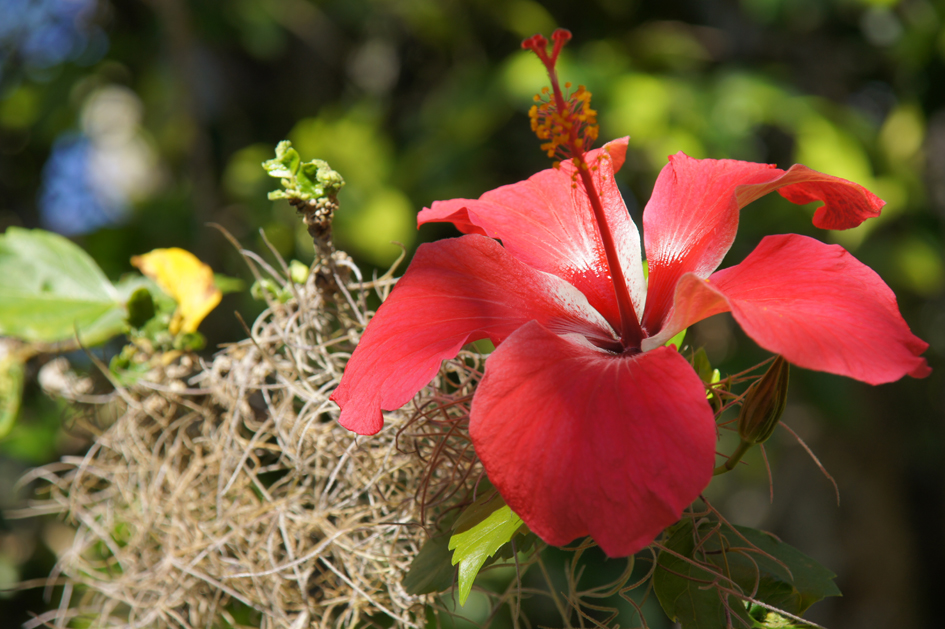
(185, 278)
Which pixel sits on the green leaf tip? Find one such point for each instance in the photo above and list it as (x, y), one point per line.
(480, 532)
(304, 181)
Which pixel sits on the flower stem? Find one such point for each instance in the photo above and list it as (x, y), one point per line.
(733, 460)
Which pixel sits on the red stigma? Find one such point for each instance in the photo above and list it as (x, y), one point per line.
(539, 45)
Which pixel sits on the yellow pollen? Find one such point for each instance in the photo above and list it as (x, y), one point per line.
(578, 122)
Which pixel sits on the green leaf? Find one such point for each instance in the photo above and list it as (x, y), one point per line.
(286, 163)
(483, 528)
(50, 289)
(794, 591)
(765, 619)
(431, 570)
(700, 362)
(228, 284)
(681, 586)
(785, 577)
(11, 390)
(677, 340)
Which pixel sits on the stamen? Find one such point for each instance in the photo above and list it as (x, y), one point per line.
(569, 127)
(577, 122)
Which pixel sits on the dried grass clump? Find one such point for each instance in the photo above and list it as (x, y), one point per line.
(228, 492)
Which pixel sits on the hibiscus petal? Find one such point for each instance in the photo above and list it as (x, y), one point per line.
(815, 304)
(691, 219)
(846, 204)
(547, 222)
(580, 441)
(455, 291)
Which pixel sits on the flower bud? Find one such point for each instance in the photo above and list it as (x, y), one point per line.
(764, 404)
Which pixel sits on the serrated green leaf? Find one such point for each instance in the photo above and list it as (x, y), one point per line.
(50, 289)
(790, 581)
(431, 570)
(483, 528)
(11, 391)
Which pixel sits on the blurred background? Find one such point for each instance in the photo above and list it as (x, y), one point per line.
(129, 125)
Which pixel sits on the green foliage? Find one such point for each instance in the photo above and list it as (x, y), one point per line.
(485, 526)
(702, 580)
(266, 288)
(700, 362)
(298, 271)
(11, 389)
(677, 340)
(305, 181)
(51, 290)
(431, 570)
(228, 284)
(140, 307)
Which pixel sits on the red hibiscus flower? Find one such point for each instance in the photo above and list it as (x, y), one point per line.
(585, 421)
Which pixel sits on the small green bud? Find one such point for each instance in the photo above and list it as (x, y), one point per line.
(298, 271)
(286, 163)
(764, 404)
(189, 341)
(265, 289)
(302, 181)
(140, 307)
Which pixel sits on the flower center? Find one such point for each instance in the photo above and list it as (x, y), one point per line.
(569, 128)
